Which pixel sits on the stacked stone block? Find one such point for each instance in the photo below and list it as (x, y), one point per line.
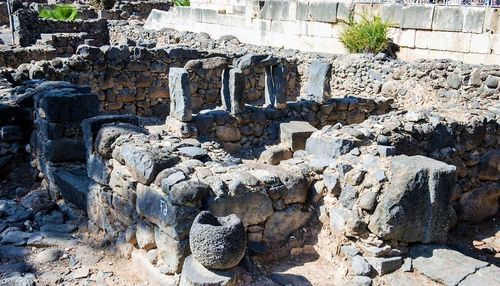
(57, 140)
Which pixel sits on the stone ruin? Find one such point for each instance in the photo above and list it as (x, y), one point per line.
(369, 163)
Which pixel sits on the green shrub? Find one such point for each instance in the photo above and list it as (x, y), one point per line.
(60, 13)
(182, 3)
(103, 4)
(370, 35)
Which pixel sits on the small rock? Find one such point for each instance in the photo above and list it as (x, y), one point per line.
(360, 266)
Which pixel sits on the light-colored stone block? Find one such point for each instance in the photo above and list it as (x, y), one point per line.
(404, 38)
(495, 44)
(448, 18)
(344, 11)
(449, 41)
(275, 10)
(417, 17)
(302, 11)
(472, 58)
(392, 14)
(366, 10)
(474, 19)
(480, 43)
(492, 21)
(294, 134)
(323, 11)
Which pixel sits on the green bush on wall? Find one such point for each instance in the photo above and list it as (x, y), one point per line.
(369, 35)
(60, 13)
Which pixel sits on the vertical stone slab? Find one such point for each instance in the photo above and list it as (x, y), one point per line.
(180, 94)
(233, 84)
(317, 85)
(275, 86)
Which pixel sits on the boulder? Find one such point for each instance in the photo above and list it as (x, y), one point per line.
(275, 154)
(479, 204)
(489, 166)
(188, 193)
(252, 207)
(294, 134)
(416, 205)
(217, 242)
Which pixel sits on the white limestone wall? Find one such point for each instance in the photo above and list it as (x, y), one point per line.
(468, 34)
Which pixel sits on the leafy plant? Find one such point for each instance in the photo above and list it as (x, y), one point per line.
(370, 35)
(103, 4)
(182, 3)
(60, 13)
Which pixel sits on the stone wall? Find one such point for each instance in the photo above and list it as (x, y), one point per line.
(468, 34)
(28, 28)
(14, 57)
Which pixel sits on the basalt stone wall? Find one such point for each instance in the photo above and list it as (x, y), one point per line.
(365, 172)
(28, 28)
(141, 199)
(259, 126)
(14, 57)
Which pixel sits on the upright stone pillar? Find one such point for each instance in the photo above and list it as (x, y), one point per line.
(180, 94)
(275, 86)
(233, 84)
(318, 83)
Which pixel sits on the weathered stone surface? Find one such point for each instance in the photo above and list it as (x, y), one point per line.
(294, 134)
(145, 236)
(489, 166)
(418, 184)
(332, 147)
(384, 265)
(479, 204)
(282, 223)
(225, 133)
(188, 193)
(194, 274)
(108, 134)
(180, 94)
(145, 163)
(233, 84)
(360, 266)
(417, 17)
(256, 60)
(172, 219)
(489, 275)
(171, 251)
(65, 105)
(323, 11)
(73, 185)
(144, 269)
(274, 91)
(275, 154)
(252, 208)
(217, 242)
(443, 264)
(447, 18)
(317, 86)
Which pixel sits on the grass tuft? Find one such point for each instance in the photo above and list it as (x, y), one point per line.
(370, 35)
